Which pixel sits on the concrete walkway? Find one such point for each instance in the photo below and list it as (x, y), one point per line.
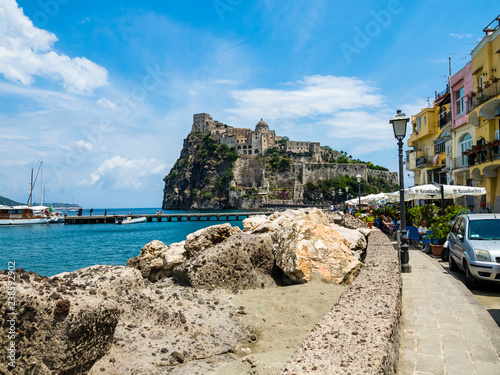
(445, 330)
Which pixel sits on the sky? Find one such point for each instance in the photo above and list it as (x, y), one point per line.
(103, 92)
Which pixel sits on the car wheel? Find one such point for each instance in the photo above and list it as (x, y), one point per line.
(453, 265)
(470, 281)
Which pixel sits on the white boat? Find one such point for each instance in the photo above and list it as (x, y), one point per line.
(15, 215)
(129, 220)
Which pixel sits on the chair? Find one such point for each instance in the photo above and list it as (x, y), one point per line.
(413, 236)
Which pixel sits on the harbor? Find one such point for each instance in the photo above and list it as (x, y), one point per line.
(175, 217)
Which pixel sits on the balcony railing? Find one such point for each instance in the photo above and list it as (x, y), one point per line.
(460, 162)
(485, 155)
(482, 97)
(421, 162)
(444, 119)
(438, 95)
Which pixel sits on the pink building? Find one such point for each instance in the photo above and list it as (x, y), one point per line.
(461, 85)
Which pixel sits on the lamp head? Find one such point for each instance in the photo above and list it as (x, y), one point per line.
(399, 121)
(358, 178)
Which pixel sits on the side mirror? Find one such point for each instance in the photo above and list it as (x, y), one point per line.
(460, 237)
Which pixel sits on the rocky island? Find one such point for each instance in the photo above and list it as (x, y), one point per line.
(224, 167)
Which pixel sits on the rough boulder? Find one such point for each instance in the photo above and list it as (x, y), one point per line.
(207, 237)
(242, 261)
(158, 260)
(62, 326)
(306, 247)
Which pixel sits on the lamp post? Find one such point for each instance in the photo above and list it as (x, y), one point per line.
(340, 196)
(399, 121)
(358, 178)
(347, 195)
(333, 197)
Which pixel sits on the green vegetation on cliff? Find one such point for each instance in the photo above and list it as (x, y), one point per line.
(201, 176)
(317, 192)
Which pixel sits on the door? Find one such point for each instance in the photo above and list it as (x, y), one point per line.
(456, 245)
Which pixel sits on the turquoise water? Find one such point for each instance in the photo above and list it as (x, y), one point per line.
(49, 249)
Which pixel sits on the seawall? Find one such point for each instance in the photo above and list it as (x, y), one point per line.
(360, 335)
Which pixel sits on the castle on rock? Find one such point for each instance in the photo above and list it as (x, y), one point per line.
(247, 141)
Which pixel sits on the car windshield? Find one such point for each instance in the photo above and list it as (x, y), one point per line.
(484, 229)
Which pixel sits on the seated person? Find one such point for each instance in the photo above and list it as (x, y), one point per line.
(422, 229)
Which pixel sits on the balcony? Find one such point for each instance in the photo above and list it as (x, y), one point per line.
(444, 119)
(460, 162)
(422, 162)
(439, 95)
(488, 92)
(482, 154)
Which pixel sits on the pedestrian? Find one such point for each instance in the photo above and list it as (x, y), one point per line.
(91, 210)
(105, 212)
(471, 209)
(80, 211)
(422, 232)
(484, 209)
(331, 207)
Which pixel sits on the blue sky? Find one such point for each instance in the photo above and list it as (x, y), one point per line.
(103, 92)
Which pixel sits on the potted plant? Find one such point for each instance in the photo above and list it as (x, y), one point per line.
(370, 220)
(440, 230)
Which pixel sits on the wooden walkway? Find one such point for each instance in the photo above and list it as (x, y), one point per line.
(111, 219)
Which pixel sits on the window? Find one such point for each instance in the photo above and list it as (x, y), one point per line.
(419, 123)
(460, 102)
(464, 143)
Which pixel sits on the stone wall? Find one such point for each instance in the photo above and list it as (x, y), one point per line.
(360, 335)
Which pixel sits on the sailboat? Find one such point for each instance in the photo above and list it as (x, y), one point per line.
(26, 214)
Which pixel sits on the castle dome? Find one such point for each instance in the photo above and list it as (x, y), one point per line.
(261, 125)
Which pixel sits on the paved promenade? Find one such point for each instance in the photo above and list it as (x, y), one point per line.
(445, 330)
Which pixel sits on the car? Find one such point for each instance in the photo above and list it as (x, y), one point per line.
(474, 247)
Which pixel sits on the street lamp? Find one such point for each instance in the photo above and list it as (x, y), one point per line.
(399, 122)
(333, 197)
(340, 196)
(358, 178)
(347, 194)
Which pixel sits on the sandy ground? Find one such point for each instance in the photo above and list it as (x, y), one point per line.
(280, 318)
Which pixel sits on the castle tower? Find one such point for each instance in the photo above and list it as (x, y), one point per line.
(261, 126)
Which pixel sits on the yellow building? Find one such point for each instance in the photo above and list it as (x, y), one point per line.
(430, 156)
(483, 112)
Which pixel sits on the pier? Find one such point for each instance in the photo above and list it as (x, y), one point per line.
(111, 219)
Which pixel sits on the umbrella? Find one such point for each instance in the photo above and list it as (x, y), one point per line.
(449, 191)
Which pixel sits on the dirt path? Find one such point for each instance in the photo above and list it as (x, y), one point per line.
(280, 318)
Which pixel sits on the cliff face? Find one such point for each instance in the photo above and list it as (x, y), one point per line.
(209, 175)
(200, 178)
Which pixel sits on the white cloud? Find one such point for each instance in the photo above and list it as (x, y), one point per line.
(126, 174)
(27, 51)
(315, 95)
(106, 103)
(226, 82)
(460, 36)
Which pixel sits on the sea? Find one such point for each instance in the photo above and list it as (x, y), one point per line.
(50, 249)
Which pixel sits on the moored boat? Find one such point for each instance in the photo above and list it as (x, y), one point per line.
(15, 215)
(129, 220)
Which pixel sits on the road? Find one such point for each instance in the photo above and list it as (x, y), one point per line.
(487, 294)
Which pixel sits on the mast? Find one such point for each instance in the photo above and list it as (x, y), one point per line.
(41, 185)
(31, 188)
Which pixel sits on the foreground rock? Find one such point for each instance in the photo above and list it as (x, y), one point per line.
(157, 260)
(307, 247)
(207, 237)
(242, 261)
(62, 326)
(297, 242)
